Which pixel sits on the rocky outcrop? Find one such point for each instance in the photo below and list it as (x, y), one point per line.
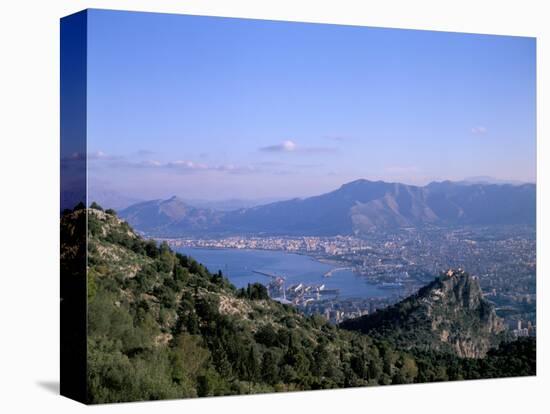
(460, 316)
(450, 314)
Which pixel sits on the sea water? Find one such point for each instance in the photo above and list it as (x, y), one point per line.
(238, 265)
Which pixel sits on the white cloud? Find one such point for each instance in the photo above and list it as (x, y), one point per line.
(90, 156)
(186, 165)
(236, 169)
(479, 130)
(285, 146)
(289, 146)
(147, 163)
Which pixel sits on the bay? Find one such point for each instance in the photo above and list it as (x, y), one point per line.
(238, 265)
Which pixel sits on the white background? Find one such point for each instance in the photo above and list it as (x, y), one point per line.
(29, 152)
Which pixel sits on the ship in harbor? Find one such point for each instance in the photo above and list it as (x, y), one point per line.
(297, 293)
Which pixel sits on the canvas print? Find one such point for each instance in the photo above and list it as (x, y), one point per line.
(253, 206)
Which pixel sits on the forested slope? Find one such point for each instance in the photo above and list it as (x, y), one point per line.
(160, 326)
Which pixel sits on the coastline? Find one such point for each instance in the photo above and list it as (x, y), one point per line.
(349, 282)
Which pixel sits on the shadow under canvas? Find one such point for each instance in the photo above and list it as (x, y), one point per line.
(51, 386)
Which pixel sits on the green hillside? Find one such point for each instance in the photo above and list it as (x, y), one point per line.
(160, 325)
(449, 314)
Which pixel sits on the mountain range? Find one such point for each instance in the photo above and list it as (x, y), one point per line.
(360, 206)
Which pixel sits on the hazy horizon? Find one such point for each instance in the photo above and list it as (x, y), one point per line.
(215, 109)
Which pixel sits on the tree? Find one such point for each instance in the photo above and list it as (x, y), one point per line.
(181, 274)
(217, 278)
(322, 360)
(269, 368)
(79, 206)
(254, 291)
(166, 262)
(151, 249)
(187, 319)
(96, 206)
(266, 335)
(251, 364)
(188, 358)
(408, 370)
(221, 360)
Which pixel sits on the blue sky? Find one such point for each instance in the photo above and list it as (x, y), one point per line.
(216, 108)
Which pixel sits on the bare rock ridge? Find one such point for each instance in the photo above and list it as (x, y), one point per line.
(449, 314)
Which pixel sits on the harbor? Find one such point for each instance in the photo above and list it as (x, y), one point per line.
(297, 294)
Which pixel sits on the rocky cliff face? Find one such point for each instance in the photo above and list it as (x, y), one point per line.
(460, 316)
(450, 314)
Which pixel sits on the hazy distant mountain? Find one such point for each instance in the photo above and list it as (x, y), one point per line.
(483, 204)
(112, 199)
(230, 204)
(485, 179)
(356, 207)
(364, 205)
(170, 217)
